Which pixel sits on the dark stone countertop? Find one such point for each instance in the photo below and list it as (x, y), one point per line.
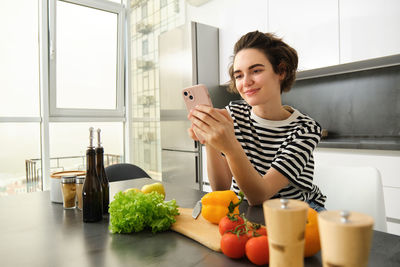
(37, 232)
(377, 143)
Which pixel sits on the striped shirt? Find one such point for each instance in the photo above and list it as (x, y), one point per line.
(285, 145)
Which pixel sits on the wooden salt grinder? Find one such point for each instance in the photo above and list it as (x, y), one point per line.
(286, 221)
(345, 238)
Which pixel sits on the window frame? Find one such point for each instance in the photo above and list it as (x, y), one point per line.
(117, 114)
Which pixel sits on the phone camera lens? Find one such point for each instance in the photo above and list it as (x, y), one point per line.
(191, 97)
(185, 93)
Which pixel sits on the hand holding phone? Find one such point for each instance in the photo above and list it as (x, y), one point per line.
(196, 95)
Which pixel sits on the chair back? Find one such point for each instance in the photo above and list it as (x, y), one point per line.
(354, 189)
(124, 171)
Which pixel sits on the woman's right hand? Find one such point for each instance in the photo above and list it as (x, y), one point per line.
(192, 134)
(215, 126)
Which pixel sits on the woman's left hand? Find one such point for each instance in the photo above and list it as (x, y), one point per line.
(216, 126)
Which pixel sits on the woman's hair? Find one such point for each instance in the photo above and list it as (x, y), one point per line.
(282, 57)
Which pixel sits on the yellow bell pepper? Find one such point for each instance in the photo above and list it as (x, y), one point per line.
(218, 204)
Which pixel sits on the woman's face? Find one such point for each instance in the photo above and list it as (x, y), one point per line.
(255, 78)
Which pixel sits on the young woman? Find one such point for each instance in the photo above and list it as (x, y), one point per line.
(257, 145)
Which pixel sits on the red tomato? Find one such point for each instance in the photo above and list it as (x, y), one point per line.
(233, 246)
(254, 233)
(257, 250)
(226, 224)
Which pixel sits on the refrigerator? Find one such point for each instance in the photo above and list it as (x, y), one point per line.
(188, 55)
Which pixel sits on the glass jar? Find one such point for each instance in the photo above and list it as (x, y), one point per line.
(68, 188)
(79, 187)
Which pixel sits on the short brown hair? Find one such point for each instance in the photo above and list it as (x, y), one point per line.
(282, 57)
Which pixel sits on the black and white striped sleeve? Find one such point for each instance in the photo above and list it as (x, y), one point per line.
(296, 156)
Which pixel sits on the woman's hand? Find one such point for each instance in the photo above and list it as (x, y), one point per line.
(215, 126)
(192, 134)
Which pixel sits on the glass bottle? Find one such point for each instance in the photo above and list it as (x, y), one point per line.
(105, 185)
(92, 194)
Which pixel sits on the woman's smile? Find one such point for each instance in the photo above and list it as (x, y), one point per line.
(251, 92)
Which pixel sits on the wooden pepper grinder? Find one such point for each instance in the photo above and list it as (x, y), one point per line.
(286, 222)
(345, 238)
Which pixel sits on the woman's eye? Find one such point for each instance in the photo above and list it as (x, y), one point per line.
(257, 71)
(238, 77)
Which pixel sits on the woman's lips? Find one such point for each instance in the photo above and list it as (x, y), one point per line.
(251, 92)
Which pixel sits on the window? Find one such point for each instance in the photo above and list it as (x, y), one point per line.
(76, 136)
(86, 60)
(145, 47)
(162, 15)
(144, 10)
(84, 80)
(51, 94)
(19, 53)
(19, 92)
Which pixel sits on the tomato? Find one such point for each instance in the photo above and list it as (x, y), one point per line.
(257, 250)
(233, 245)
(226, 224)
(257, 232)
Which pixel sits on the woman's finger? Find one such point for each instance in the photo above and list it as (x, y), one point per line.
(192, 134)
(218, 115)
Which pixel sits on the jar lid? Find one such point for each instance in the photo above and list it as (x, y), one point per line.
(286, 204)
(68, 179)
(58, 175)
(346, 218)
(80, 179)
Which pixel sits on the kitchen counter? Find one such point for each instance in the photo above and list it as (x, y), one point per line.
(380, 143)
(36, 232)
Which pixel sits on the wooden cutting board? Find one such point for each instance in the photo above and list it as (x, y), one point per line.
(199, 230)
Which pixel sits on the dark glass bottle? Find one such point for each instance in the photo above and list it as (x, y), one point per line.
(92, 194)
(105, 185)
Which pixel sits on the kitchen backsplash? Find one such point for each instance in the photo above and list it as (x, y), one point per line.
(363, 104)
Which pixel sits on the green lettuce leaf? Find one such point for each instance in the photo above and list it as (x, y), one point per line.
(135, 211)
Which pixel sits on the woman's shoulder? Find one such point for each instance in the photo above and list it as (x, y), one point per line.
(306, 122)
(238, 106)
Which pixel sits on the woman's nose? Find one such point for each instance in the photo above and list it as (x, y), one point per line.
(247, 80)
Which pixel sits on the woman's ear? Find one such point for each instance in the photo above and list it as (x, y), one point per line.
(282, 71)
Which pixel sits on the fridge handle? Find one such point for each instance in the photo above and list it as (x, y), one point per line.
(196, 160)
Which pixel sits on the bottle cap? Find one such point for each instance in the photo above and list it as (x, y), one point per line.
(91, 137)
(98, 137)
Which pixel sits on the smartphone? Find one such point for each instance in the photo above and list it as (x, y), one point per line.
(196, 95)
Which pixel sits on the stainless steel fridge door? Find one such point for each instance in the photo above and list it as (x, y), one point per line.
(176, 67)
(174, 136)
(181, 168)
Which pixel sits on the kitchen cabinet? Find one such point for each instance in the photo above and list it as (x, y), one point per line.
(311, 27)
(369, 29)
(324, 33)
